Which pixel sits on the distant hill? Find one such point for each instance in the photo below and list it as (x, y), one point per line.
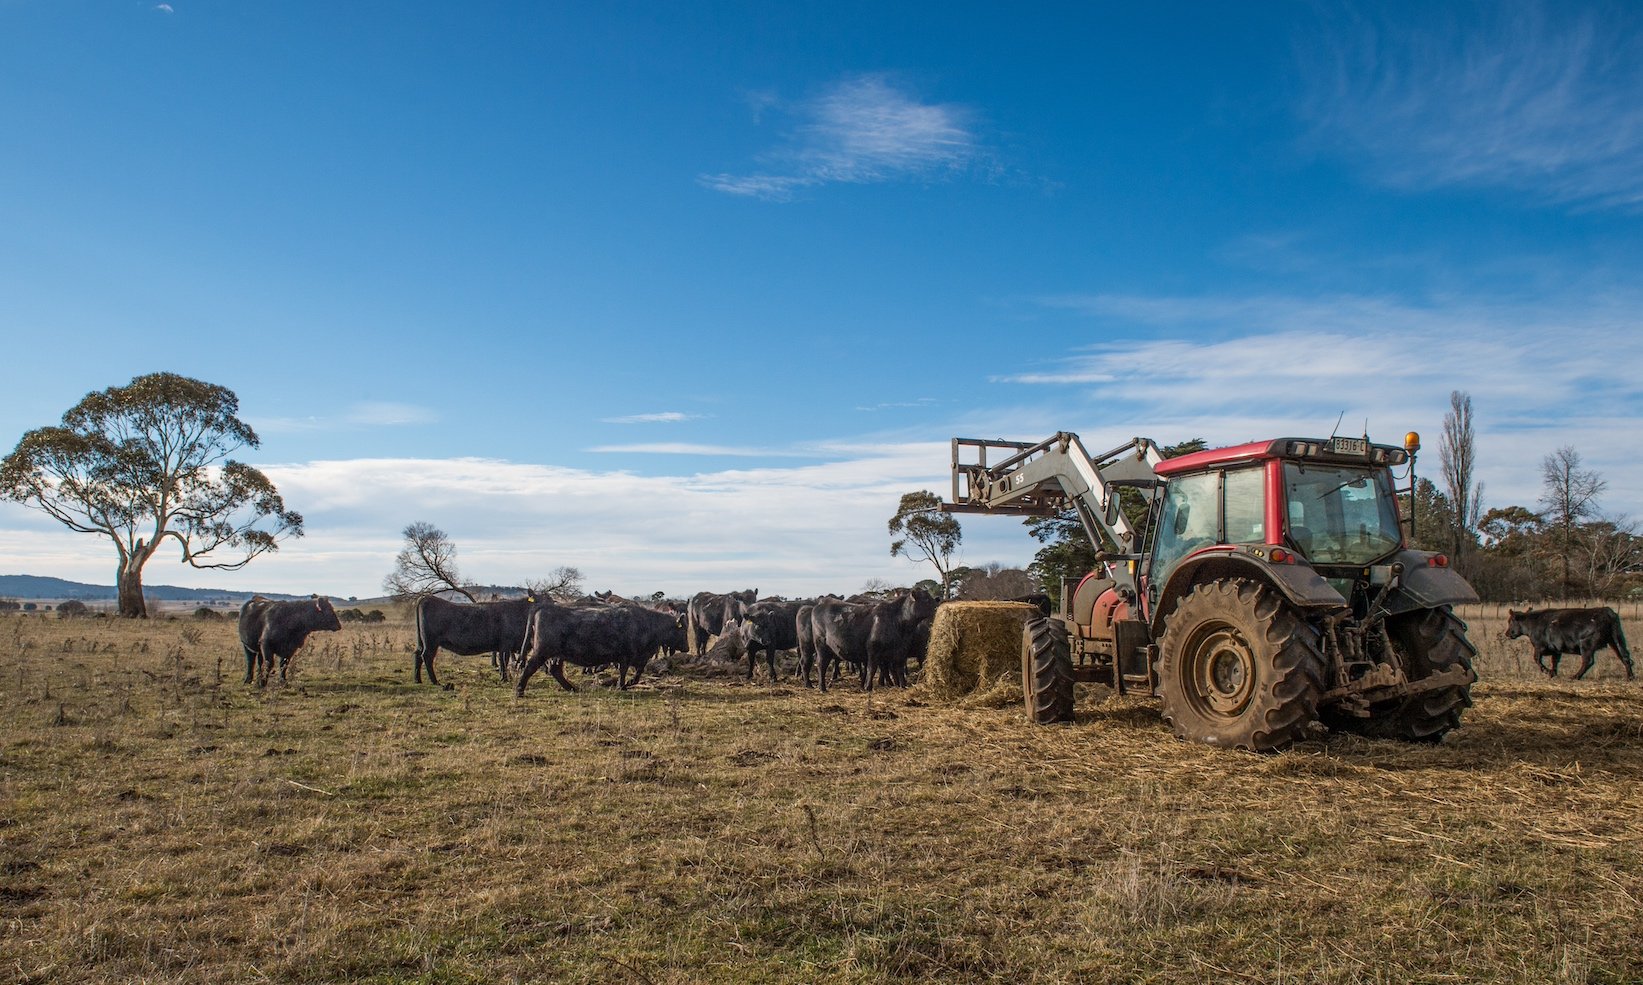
(38, 587)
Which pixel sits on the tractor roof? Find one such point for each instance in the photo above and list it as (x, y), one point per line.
(1333, 451)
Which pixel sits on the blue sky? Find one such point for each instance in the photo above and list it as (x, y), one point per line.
(686, 295)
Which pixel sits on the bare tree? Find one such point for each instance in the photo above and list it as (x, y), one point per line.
(1570, 498)
(426, 565)
(1609, 552)
(562, 584)
(927, 534)
(1457, 453)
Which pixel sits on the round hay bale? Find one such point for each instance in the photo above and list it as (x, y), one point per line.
(973, 647)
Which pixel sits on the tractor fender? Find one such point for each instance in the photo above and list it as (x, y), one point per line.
(1297, 582)
(1424, 585)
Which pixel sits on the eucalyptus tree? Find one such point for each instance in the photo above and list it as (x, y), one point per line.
(148, 463)
(926, 534)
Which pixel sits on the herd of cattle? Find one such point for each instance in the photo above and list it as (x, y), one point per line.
(877, 634)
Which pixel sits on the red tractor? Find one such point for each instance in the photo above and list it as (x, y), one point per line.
(1264, 592)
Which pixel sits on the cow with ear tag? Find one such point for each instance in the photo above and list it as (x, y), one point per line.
(270, 629)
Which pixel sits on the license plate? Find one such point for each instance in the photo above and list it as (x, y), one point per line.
(1349, 446)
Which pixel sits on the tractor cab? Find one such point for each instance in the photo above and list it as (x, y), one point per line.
(1328, 504)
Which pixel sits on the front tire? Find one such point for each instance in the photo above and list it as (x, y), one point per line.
(1239, 668)
(1047, 671)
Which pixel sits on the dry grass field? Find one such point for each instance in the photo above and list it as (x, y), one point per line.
(162, 822)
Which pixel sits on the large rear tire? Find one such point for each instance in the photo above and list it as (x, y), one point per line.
(1432, 641)
(1047, 671)
(1237, 667)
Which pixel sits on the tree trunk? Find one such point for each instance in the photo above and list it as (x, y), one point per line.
(130, 582)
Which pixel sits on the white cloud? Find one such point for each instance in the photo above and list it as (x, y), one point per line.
(898, 405)
(686, 448)
(367, 414)
(1535, 97)
(1233, 369)
(663, 417)
(865, 129)
(164, 8)
(792, 530)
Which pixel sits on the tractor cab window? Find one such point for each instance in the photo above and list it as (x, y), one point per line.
(1341, 515)
(1245, 495)
(1189, 519)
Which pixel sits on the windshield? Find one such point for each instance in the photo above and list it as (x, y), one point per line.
(1341, 515)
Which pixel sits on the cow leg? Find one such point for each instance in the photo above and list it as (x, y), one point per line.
(557, 669)
(532, 663)
(770, 658)
(428, 662)
(1540, 658)
(1625, 658)
(250, 662)
(1588, 657)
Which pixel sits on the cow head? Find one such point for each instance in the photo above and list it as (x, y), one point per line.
(1514, 624)
(325, 617)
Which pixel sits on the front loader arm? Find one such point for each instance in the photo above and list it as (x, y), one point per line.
(1044, 479)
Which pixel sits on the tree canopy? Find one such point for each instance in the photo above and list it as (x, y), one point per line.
(149, 462)
(926, 534)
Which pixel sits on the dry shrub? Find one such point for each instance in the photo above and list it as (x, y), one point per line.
(974, 647)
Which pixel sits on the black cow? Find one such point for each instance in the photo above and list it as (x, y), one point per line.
(1555, 632)
(270, 629)
(707, 615)
(901, 631)
(880, 637)
(769, 626)
(469, 629)
(626, 635)
(1040, 599)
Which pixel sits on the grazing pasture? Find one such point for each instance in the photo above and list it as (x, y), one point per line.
(161, 821)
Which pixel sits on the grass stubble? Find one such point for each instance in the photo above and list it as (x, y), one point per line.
(162, 822)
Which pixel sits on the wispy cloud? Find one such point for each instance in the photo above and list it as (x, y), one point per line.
(164, 8)
(1536, 97)
(897, 405)
(369, 414)
(684, 448)
(663, 417)
(864, 129)
(1235, 368)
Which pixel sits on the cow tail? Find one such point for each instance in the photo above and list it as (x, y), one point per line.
(525, 642)
(1620, 636)
(421, 637)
